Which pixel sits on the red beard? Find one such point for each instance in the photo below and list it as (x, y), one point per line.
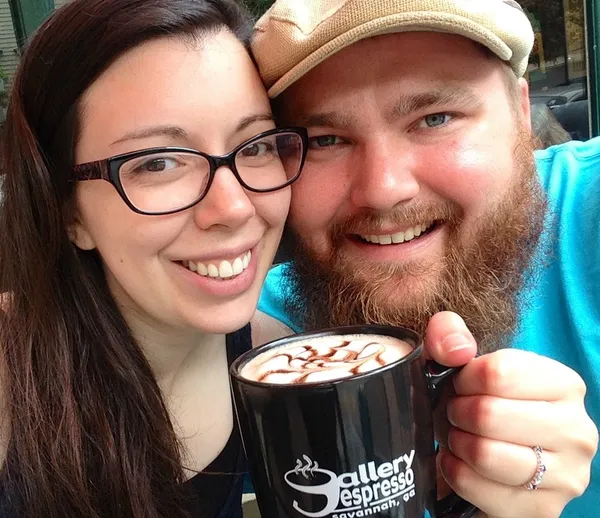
(480, 280)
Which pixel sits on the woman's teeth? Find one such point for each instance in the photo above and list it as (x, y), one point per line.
(224, 270)
(400, 237)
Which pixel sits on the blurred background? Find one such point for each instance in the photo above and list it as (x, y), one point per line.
(563, 68)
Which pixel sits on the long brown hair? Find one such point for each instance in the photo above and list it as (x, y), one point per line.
(90, 435)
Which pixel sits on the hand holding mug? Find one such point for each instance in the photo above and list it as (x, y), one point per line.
(507, 403)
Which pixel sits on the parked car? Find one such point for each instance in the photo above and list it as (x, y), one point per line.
(560, 95)
(570, 106)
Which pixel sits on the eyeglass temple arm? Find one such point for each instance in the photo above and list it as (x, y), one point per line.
(91, 171)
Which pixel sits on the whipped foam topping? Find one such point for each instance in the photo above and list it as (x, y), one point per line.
(325, 358)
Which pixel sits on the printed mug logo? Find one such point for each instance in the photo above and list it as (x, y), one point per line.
(367, 491)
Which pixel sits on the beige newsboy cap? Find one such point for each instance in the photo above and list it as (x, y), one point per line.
(294, 36)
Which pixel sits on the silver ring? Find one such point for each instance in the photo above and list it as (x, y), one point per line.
(540, 469)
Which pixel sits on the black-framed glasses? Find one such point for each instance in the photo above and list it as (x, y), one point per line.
(165, 180)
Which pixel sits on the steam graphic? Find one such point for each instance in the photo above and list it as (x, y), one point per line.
(310, 467)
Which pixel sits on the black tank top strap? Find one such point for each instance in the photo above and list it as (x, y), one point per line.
(233, 505)
(238, 343)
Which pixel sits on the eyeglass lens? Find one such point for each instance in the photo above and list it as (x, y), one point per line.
(171, 180)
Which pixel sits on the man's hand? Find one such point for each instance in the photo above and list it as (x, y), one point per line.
(505, 403)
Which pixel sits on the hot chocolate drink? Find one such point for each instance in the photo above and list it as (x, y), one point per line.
(325, 358)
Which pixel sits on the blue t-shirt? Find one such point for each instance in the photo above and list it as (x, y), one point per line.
(562, 320)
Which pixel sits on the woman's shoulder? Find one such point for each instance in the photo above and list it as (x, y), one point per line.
(265, 329)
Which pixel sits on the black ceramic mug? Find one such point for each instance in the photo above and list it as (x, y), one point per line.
(346, 448)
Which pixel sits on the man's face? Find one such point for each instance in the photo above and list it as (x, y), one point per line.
(414, 184)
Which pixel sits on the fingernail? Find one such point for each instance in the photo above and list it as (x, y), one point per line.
(456, 342)
(450, 414)
(444, 459)
(450, 441)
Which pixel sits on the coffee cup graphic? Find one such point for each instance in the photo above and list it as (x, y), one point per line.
(308, 478)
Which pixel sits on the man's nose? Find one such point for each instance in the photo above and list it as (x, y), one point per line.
(383, 175)
(227, 203)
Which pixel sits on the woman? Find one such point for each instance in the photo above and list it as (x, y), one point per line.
(144, 198)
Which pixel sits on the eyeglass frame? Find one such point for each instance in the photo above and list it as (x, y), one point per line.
(108, 168)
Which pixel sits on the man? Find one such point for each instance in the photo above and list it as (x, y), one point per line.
(420, 193)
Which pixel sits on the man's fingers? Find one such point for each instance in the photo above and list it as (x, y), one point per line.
(515, 374)
(448, 340)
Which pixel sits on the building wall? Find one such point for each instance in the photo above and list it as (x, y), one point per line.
(9, 50)
(9, 56)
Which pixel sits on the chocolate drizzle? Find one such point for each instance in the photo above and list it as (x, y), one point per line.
(302, 362)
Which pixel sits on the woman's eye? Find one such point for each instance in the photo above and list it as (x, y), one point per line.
(157, 165)
(258, 149)
(323, 141)
(435, 120)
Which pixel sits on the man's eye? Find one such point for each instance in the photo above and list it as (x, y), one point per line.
(435, 120)
(323, 141)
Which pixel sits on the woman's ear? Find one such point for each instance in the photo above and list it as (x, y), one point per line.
(80, 236)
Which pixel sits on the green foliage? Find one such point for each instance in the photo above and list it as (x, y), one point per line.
(258, 7)
(551, 17)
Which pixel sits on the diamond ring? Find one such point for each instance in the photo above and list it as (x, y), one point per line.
(540, 469)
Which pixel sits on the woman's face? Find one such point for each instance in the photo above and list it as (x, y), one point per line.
(205, 96)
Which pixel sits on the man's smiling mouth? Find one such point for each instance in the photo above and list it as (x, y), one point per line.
(403, 236)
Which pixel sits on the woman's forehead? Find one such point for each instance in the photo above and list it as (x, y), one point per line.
(203, 87)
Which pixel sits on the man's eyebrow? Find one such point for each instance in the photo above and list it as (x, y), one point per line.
(173, 132)
(451, 96)
(324, 119)
(404, 106)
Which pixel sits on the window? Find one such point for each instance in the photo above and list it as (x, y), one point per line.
(27, 15)
(558, 72)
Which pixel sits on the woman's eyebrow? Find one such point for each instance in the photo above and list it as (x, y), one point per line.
(173, 132)
(251, 119)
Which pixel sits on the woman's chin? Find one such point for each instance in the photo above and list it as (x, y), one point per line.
(224, 319)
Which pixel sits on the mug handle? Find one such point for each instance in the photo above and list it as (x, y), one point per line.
(451, 506)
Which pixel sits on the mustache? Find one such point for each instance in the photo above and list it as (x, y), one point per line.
(401, 216)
